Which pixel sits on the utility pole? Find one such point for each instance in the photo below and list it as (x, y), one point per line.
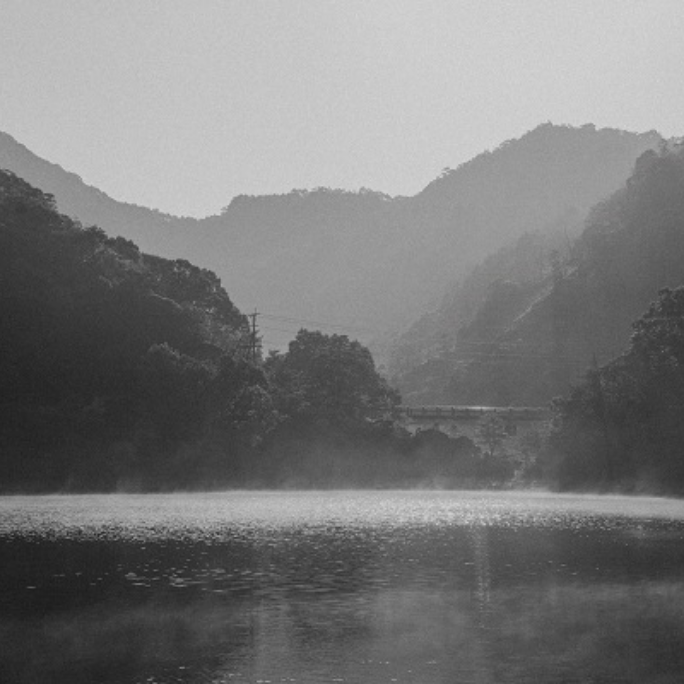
(603, 417)
(254, 340)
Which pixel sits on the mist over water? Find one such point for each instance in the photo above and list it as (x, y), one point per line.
(341, 586)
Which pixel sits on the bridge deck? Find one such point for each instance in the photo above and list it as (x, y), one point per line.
(516, 413)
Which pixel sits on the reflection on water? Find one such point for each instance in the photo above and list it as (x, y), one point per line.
(359, 587)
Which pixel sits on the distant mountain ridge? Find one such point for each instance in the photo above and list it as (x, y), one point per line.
(364, 258)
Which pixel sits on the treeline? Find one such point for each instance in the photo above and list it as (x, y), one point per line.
(125, 371)
(122, 370)
(539, 325)
(623, 425)
(107, 353)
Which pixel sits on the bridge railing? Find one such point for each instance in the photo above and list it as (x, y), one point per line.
(516, 413)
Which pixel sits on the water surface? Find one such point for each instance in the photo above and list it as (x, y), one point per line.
(363, 587)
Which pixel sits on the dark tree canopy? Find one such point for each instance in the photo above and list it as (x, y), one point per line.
(105, 350)
(624, 425)
(332, 376)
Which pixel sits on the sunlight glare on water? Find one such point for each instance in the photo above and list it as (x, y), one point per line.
(367, 587)
(208, 515)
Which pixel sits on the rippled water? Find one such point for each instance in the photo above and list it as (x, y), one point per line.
(359, 587)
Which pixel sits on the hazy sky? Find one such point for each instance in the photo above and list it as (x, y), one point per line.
(183, 104)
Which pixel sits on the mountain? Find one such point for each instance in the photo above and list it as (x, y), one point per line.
(528, 340)
(364, 260)
(463, 332)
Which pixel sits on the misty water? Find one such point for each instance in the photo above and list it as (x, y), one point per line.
(363, 587)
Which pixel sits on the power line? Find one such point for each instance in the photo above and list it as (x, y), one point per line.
(266, 327)
(325, 324)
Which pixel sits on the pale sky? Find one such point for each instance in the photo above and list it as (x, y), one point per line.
(183, 104)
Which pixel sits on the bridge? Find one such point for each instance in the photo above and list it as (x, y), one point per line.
(466, 413)
(465, 419)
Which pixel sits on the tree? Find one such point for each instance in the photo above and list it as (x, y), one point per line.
(624, 424)
(332, 377)
(108, 354)
(492, 432)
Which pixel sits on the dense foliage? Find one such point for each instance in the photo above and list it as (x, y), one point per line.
(331, 376)
(107, 353)
(122, 370)
(624, 425)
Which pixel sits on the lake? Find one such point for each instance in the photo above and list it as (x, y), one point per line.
(359, 587)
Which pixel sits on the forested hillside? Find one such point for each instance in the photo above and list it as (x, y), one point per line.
(622, 427)
(126, 371)
(464, 332)
(534, 340)
(363, 258)
(105, 350)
